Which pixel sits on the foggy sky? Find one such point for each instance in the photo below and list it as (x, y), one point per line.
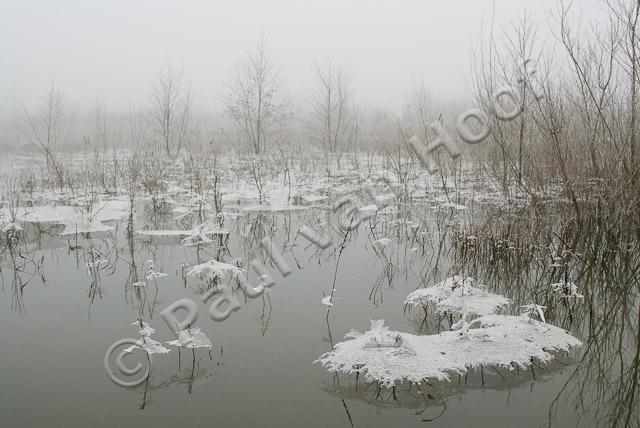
(114, 49)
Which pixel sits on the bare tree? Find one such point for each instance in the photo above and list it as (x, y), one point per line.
(170, 110)
(252, 103)
(44, 126)
(106, 138)
(512, 62)
(333, 115)
(418, 116)
(418, 111)
(522, 52)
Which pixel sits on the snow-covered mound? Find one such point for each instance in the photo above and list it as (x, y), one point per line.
(214, 269)
(457, 294)
(497, 340)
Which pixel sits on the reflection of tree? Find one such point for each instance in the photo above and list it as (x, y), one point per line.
(23, 262)
(605, 380)
(134, 292)
(265, 317)
(527, 258)
(100, 255)
(520, 256)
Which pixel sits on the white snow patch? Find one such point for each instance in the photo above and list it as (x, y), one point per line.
(567, 289)
(214, 269)
(148, 345)
(191, 338)
(145, 328)
(457, 294)
(384, 242)
(498, 340)
(74, 220)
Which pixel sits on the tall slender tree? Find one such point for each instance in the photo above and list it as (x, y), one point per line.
(333, 115)
(44, 126)
(170, 110)
(253, 102)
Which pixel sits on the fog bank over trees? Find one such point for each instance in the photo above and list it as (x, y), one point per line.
(113, 52)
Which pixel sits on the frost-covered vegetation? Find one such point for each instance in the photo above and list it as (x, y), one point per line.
(506, 341)
(391, 357)
(545, 214)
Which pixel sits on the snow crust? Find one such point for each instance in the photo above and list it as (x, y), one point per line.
(74, 219)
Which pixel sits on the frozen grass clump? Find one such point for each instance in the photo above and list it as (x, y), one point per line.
(457, 294)
(149, 346)
(214, 270)
(567, 290)
(495, 340)
(191, 338)
(146, 343)
(145, 329)
(12, 228)
(384, 242)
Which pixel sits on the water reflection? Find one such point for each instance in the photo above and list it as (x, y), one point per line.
(516, 253)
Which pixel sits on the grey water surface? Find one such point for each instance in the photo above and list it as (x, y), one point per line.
(261, 371)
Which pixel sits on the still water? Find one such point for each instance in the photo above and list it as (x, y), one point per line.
(261, 370)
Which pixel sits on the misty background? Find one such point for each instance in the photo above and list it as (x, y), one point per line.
(113, 51)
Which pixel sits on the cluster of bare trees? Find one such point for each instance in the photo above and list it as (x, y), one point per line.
(578, 125)
(254, 105)
(333, 123)
(578, 116)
